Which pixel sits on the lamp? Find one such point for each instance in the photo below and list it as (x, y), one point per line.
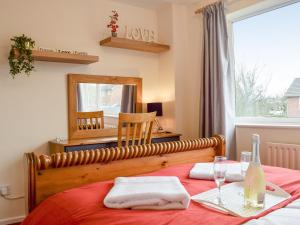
(156, 107)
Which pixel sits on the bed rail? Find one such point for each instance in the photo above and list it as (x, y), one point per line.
(47, 175)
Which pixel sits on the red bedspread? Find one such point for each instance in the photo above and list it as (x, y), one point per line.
(84, 205)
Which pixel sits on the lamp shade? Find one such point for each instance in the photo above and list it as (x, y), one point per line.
(155, 106)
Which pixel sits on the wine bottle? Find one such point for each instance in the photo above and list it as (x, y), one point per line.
(255, 183)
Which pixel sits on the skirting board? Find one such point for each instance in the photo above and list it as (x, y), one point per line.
(11, 220)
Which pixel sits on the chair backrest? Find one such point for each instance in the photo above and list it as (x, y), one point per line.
(90, 120)
(138, 128)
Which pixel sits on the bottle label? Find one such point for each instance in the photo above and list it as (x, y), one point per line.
(261, 198)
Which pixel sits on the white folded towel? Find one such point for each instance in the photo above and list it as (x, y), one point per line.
(205, 171)
(147, 193)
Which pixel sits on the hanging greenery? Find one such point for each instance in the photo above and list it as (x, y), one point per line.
(20, 57)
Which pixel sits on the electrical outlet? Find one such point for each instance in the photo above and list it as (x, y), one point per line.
(4, 189)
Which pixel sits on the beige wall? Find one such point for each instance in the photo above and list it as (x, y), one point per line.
(187, 58)
(166, 68)
(180, 68)
(34, 109)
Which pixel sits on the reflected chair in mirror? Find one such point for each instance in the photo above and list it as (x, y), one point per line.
(90, 120)
(138, 128)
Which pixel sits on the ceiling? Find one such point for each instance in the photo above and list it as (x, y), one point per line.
(153, 4)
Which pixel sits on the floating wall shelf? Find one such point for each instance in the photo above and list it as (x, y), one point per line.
(63, 57)
(125, 43)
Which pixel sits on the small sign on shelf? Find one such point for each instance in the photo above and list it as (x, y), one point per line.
(139, 34)
(75, 52)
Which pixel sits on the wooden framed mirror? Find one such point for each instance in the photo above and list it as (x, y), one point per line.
(94, 103)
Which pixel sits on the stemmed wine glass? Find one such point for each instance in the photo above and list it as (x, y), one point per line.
(245, 160)
(220, 167)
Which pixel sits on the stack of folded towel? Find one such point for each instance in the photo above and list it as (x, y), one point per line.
(205, 171)
(147, 193)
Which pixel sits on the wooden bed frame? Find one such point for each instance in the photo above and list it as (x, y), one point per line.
(47, 175)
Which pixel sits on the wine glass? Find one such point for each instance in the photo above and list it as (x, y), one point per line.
(220, 167)
(245, 160)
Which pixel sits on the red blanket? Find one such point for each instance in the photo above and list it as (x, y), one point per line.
(84, 205)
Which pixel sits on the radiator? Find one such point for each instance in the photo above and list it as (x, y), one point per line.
(283, 155)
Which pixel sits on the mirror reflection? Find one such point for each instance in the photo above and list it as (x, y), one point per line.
(103, 99)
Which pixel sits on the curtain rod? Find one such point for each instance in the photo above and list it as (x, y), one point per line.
(200, 10)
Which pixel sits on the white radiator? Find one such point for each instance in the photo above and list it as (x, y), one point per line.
(283, 155)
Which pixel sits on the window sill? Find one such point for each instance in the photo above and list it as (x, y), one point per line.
(267, 122)
(276, 126)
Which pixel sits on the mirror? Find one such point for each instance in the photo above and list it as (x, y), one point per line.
(111, 99)
(96, 101)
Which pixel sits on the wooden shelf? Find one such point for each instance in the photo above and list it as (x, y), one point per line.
(134, 45)
(63, 57)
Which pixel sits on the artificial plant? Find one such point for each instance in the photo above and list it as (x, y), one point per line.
(20, 57)
(113, 23)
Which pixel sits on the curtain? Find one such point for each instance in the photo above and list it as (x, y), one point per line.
(128, 99)
(217, 98)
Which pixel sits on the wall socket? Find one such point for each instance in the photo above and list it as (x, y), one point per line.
(4, 189)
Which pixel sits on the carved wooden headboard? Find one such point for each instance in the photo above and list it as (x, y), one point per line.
(47, 175)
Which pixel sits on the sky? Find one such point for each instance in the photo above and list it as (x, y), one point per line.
(270, 42)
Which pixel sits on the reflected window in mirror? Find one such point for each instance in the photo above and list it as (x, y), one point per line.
(109, 98)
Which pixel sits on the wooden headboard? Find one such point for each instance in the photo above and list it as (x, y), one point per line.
(47, 175)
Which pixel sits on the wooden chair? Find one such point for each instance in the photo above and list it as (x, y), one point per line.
(90, 120)
(138, 127)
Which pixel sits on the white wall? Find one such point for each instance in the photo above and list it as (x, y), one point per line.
(34, 109)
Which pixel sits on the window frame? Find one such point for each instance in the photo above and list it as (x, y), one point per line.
(242, 14)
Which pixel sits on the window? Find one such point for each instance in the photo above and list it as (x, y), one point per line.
(267, 65)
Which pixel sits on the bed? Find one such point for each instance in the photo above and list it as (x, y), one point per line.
(69, 188)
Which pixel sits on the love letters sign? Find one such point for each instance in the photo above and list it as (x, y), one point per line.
(139, 34)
